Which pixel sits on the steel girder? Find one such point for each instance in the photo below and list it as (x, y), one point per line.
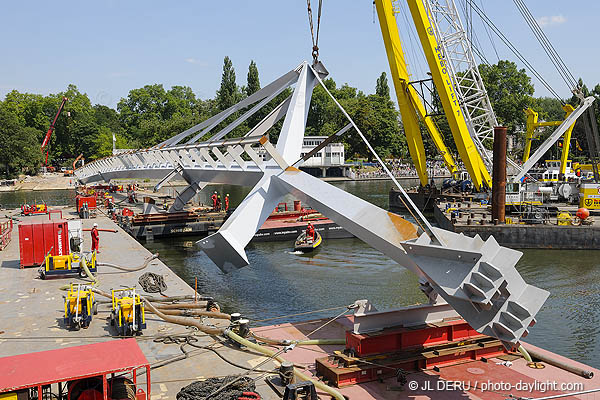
(477, 279)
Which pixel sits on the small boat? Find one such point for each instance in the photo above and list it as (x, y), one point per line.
(305, 244)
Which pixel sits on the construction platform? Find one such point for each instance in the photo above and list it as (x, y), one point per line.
(424, 199)
(31, 314)
(518, 232)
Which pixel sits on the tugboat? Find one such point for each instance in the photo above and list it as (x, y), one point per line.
(308, 240)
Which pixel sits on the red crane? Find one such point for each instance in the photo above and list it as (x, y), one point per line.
(51, 129)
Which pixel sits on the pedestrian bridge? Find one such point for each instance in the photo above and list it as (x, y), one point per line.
(476, 279)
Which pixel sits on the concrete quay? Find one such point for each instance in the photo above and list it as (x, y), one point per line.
(31, 314)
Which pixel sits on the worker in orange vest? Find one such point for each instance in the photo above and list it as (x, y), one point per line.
(310, 232)
(95, 238)
(227, 202)
(214, 200)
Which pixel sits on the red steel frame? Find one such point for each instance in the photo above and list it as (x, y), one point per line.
(409, 348)
(397, 339)
(33, 370)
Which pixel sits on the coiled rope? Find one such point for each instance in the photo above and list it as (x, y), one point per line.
(152, 283)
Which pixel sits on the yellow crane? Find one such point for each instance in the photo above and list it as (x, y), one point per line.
(410, 104)
(533, 124)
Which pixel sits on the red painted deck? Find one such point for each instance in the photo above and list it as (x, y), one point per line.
(470, 380)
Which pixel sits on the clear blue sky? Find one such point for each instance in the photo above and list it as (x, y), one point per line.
(107, 47)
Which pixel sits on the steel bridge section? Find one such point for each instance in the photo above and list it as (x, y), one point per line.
(476, 278)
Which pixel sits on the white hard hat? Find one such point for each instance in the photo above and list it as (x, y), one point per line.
(95, 224)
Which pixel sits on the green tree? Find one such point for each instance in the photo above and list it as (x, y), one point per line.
(381, 88)
(19, 146)
(228, 94)
(147, 112)
(253, 83)
(510, 91)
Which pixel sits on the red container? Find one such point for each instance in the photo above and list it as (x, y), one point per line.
(37, 238)
(90, 200)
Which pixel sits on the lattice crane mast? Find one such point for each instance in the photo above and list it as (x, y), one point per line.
(409, 102)
(467, 145)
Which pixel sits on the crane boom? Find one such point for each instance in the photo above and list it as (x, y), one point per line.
(409, 102)
(51, 128)
(440, 72)
(544, 147)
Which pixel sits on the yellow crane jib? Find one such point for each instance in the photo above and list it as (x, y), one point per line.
(532, 124)
(409, 103)
(80, 305)
(443, 83)
(128, 312)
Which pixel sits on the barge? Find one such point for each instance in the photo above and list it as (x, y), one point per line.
(436, 360)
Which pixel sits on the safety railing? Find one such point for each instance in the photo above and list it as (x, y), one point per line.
(238, 153)
(5, 233)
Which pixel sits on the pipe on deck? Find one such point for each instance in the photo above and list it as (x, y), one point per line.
(560, 364)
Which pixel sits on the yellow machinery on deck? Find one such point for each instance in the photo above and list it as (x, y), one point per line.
(68, 265)
(589, 196)
(127, 315)
(80, 305)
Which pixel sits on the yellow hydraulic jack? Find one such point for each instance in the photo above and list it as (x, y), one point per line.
(127, 315)
(80, 305)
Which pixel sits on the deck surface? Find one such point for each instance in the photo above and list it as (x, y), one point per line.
(31, 312)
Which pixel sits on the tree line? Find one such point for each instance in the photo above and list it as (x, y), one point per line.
(151, 114)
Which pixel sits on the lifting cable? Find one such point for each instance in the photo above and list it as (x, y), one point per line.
(512, 48)
(413, 209)
(472, 38)
(487, 31)
(550, 51)
(315, 41)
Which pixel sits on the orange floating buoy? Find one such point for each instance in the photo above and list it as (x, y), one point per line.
(583, 213)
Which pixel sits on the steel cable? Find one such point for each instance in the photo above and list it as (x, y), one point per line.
(512, 48)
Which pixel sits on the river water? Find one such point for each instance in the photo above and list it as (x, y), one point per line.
(278, 282)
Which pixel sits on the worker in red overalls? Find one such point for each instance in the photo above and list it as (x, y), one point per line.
(95, 238)
(214, 200)
(310, 232)
(227, 202)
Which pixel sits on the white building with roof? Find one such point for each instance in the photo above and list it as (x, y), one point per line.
(331, 155)
(329, 161)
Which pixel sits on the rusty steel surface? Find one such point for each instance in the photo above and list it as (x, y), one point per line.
(499, 175)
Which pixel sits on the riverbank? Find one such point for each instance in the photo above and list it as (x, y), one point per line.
(46, 181)
(57, 181)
